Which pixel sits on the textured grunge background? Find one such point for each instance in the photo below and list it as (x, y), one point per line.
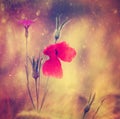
(93, 30)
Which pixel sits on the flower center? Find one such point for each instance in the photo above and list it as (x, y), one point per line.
(56, 52)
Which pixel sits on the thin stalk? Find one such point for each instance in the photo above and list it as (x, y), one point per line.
(39, 81)
(98, 109)
(83, 117)
(88, 106)
(86, 110)
(26, 67)
(45, 93)
(29, 92)
(36, 85)
(26, 36)
(38, 90)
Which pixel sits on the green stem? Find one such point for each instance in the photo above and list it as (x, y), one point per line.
(39, 81)
(36, 85)
(29, 92)
(26, 67)
(98, 109)
(38, 91)
(83, 117)
(45, 93)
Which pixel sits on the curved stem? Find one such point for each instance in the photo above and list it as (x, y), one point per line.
(29, 92)
(45, 93)
(26, 67)
(39, 81)
(38, 91)
(36, 85)
(98, 109)
(83, 116)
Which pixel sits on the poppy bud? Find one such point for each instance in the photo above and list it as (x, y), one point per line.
(57, 35)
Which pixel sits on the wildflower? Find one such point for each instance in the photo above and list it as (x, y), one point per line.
(52, 67)
(26, 24)
(35, 68)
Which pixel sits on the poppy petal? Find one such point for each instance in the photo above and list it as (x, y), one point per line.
(65, 52)
(52, 67)
(50, 51)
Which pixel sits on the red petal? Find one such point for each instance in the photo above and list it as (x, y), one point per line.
(50, 51)
(52, 67)
(65, 52)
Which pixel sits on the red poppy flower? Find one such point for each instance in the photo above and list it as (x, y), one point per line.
(52, 67)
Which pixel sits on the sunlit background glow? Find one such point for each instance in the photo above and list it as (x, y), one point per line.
(93, 30)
